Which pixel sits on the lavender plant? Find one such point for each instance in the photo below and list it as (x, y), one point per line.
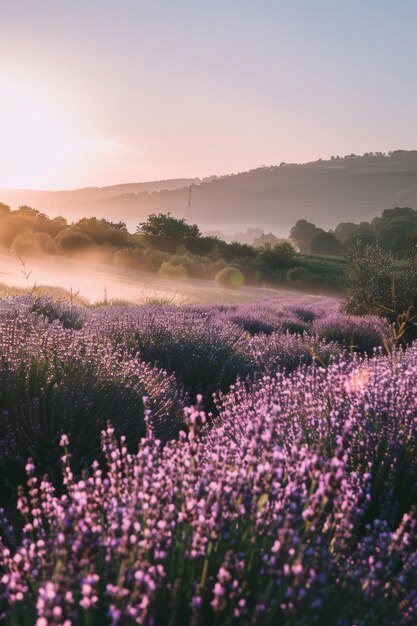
(210, 530)
(293, 503)
(55, 380)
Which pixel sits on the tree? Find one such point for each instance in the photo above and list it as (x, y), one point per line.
(345, 231)
(361, 239)
(325, 243)
(266, 238)
(277, 257)
(167, 232)
(27, 211)
(239, 250)
(393, 227)
(301, 234)
(393, 238)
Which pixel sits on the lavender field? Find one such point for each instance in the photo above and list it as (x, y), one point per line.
(239, 465)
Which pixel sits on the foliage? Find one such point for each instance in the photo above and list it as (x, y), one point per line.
(230, 277)
(72, 242)
(390, 231)
(132, 258)
(167, 232)
(301, 234)
(299, 275)
(292, 503)
(162, 239)
(359, 334)
(55, 379)
(205, 354)
(369, 281)
(278, 256)
(325, 243)
(33, 244)
(172, 271)
(267, 239)
(271, 516)
(68, 314)
(104, 232)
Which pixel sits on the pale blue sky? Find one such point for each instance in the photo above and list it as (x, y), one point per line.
(105, 91)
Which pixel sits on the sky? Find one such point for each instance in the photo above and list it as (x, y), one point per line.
(98, 92)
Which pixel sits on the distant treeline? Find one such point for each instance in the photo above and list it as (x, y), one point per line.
(167, 246)
(313, 258)
(394, 231)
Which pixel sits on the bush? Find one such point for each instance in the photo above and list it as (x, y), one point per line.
(206, 355)
(297, 507)
(33, 244)
(276, 257)
(172, 271)
(132, 258)
(369, 281)
(73, 242)
(155, 258)
(294, 505)
(69, 315)
(56, 381)
(230, 277)
(355, 333)
(283, 351)
(305, 314)
(299, 275)
(196, 266)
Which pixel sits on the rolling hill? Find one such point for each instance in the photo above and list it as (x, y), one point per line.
(351, 188)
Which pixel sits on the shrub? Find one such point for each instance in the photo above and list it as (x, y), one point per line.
(299, 275)
(69, 315)
(33, 244)
(172, 271)
(305, 314)
(205, 354)
(278, 256)
(55, 380)
(132, 258)
(73, 242)
(230, 277)
(196, 266)
(361, 334)
(296, 508)
(253, 321)
(295, 504)
(283, 351)
(155, 258)
(369, 281)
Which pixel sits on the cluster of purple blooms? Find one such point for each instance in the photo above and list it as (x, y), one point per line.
(292, 502)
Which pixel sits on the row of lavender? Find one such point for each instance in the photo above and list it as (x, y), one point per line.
(291, 503)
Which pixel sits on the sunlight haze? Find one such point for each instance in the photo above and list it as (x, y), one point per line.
(100, 92)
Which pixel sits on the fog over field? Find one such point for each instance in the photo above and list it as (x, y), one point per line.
(96, 282)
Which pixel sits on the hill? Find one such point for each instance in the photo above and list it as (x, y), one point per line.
(350, 188)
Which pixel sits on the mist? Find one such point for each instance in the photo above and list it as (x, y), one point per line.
(92, 282)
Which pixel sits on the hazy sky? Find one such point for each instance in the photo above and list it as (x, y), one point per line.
(94, 92)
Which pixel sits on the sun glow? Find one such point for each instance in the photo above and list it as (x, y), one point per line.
(38, 147)
(35, 145)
